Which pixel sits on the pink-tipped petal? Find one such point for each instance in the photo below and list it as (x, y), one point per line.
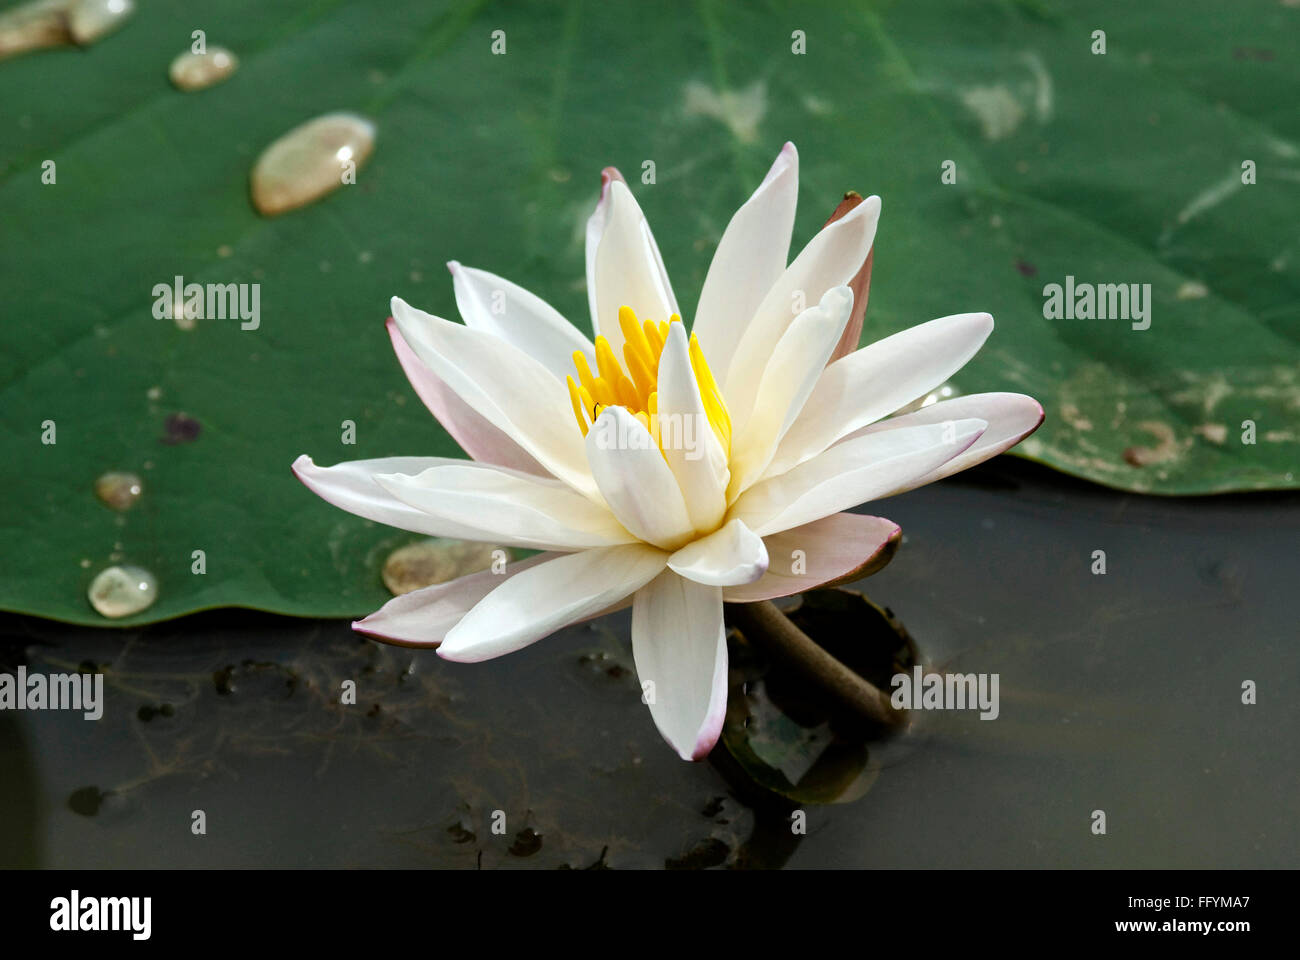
(841, 547)
(679, 645)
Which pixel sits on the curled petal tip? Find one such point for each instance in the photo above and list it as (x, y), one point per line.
(607, 176)
(1042, 415)
(708, 739)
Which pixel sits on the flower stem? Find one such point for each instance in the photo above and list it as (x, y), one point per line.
(764, 624)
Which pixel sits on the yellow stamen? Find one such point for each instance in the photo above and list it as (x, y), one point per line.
(576, 400)
(627, 393)
(642, 375)
(637, 389)
(652, 337)
(606, 365)
(633, 335)
(714, 406)
(603, 392)
(584, 372)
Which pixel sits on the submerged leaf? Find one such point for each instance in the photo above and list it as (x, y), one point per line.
(778, 728)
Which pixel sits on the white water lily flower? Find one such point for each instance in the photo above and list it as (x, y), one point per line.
(672, 471)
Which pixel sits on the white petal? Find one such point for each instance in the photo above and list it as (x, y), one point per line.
(679, 644)
(538, 601)
(732, 554)
(351, 486)
(830, 259)
(476, 436)
(629, 270)
(635, 481)
(797, 365)
(751, 256)
(508, 507)
(493, 304)
(852, 472)
(689, 445)
(1011, 417)
(878, 379)
(422, 617)
(816, 553)
(595, 229)
(514, 392)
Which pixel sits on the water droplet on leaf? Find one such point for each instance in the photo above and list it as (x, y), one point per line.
(59, 23)
(310, 161)
(195, 71)
(426, 562)
(88, 20)
(120, 491)
(120, 591)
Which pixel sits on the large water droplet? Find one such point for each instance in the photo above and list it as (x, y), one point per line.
(119, 491)
(122, 591)
(310, 161)
(58, 23)
(32, 26)
(88, 20)
(426, 562)
(194, 71)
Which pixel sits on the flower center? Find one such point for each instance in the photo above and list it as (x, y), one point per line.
(637, 390)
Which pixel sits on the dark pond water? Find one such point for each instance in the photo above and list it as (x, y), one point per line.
(1119, 692)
